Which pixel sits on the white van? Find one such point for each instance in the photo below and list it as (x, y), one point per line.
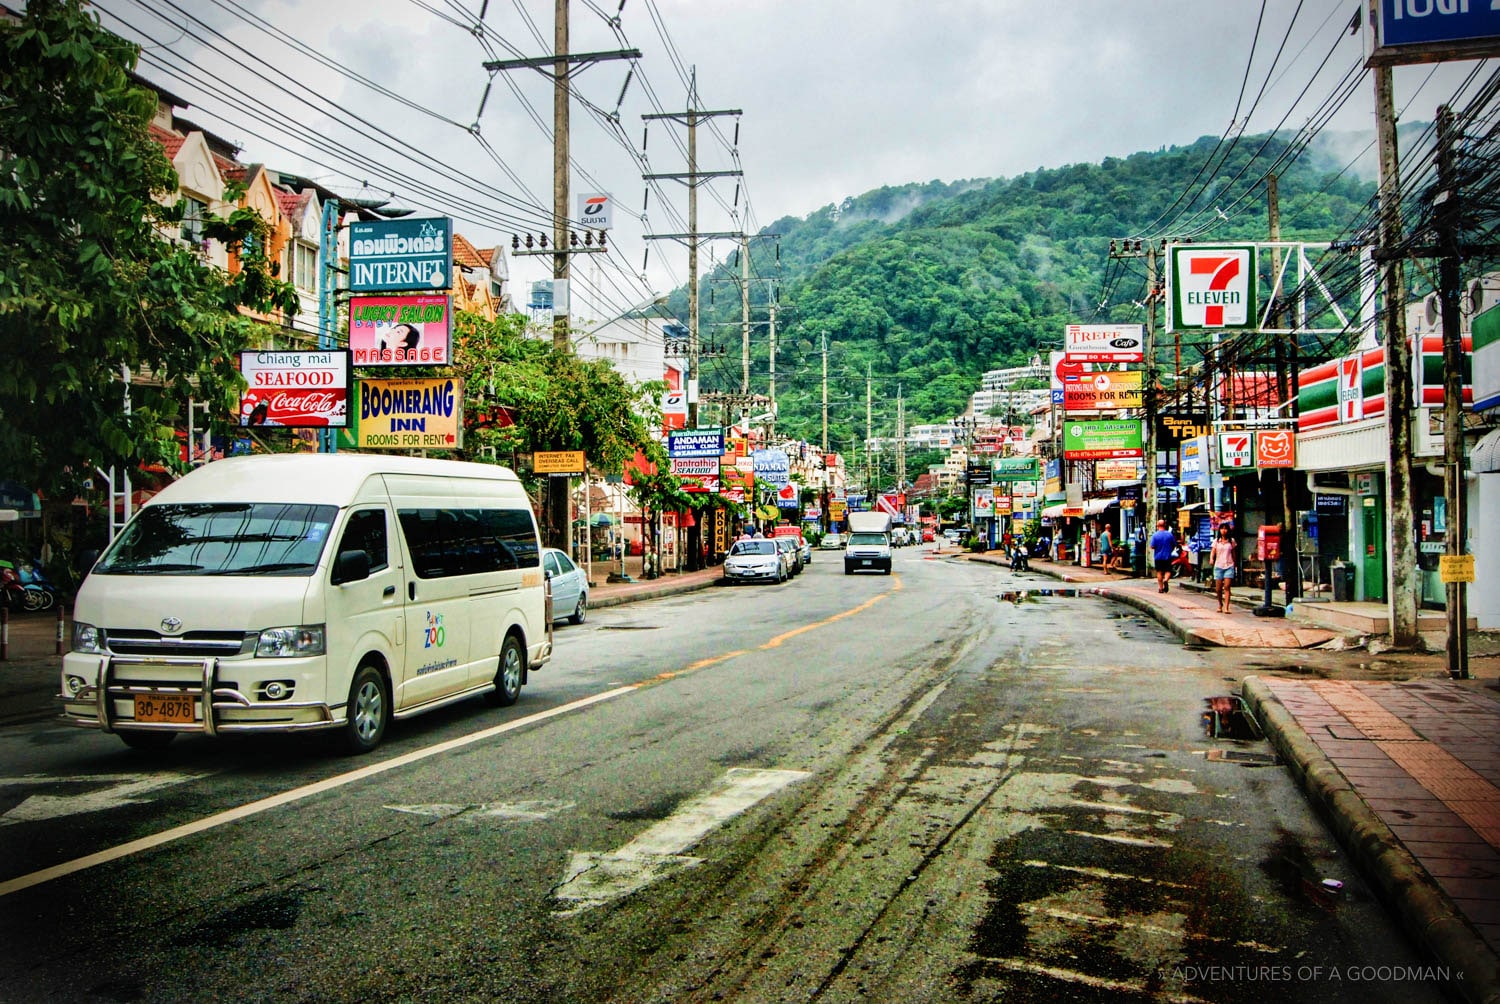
(310, 591)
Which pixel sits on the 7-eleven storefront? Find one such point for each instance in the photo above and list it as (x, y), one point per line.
(1344, 446)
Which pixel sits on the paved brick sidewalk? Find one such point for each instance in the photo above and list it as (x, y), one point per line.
(1408, 775)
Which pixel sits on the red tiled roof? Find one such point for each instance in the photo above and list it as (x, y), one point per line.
(292, 204)
(466, 255)
(171, 142)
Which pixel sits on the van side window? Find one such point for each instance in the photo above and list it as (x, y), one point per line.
(365, 532)
(446, 542)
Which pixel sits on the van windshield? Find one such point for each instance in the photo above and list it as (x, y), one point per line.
(221, 538)
(866, 539)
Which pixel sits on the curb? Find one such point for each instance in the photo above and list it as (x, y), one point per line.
(1425, 911)
(653, 592)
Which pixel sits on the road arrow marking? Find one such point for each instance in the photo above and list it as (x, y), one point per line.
(594, 879)
(540, 808)
(123, 789)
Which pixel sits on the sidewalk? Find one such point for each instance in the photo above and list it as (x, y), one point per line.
(1408, 776)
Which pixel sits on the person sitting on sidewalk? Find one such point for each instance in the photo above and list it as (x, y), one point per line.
(1163, 543)
(1223, 564)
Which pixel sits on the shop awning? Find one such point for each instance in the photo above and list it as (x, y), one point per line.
(1093, 507)
(1191, 506)
(1486, 456)
(1053, 511)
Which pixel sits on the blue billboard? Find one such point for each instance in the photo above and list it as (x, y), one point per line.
(1437, 22)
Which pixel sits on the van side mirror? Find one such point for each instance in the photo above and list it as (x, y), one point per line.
(351, 566)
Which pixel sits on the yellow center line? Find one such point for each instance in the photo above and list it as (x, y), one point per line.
(867, 604)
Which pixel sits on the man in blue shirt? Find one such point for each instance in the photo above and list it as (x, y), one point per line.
(1163, 543)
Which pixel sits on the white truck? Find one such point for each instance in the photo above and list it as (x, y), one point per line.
(869, 544)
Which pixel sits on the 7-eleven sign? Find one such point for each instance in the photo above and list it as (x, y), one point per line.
(1351, 388)
(1236, 449)
(1213, 286)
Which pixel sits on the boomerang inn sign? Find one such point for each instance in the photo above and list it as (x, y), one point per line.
(1213, 286)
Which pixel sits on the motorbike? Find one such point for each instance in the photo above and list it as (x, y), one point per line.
(26, 587)
(1019, 562)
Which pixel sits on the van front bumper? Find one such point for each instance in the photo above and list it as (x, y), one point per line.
(209, 696)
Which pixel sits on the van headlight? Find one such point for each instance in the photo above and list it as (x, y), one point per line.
(87, 638)
(291, 642)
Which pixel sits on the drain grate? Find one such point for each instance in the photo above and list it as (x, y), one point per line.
(1243, 757)
(629, 627)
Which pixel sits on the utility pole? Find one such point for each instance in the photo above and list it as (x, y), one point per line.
(771, 304)
(1291, 566)
(745, 314)
(1401, 574)
(560, 523)
(1153, 496)
(561, 100)
(900, 440)
(824, 339)
(693, 238)
(869, 434)
(1448, 215)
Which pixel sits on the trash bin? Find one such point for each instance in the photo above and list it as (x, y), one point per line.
(1343, 583)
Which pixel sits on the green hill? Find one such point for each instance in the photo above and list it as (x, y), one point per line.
(926, 286)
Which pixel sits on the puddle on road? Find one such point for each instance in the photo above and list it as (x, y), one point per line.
(1020, 596)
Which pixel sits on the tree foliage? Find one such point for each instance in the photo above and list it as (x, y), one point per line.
(89, 287)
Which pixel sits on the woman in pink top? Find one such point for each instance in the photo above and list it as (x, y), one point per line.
(1223, 561)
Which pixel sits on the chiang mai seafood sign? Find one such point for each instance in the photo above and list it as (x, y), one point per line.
(307, 390)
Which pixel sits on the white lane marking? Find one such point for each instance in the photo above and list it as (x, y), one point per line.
(123, 790)
(531, 809)
(1099, 982)
(295, 795)
(1102, 873)
(594, 879)
(1116, 838)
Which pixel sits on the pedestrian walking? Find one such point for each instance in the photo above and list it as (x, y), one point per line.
(1107, 550)
(1222, 554)
(1163, 543)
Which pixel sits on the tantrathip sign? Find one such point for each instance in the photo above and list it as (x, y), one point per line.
(1213, 286)
(401, 254)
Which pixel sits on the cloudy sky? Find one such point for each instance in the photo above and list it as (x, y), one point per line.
(837, 98)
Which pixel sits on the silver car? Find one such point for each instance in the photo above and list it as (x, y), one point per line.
(570, 586)
(758, 560)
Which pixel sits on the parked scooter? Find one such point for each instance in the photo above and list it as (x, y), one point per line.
(12, 592)
(37, 592)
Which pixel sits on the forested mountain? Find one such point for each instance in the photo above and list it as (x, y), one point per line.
(925, 286)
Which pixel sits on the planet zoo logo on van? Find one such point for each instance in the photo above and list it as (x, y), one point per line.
(436, 634)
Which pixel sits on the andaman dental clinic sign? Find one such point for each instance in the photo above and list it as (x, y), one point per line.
(410, 415)
(401, 254)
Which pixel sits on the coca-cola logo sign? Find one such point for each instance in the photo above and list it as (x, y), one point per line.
(295, 389)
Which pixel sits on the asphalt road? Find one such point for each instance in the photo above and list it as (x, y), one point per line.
(920, 787)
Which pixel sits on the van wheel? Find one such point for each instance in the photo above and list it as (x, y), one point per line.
(367, 713)
(582, 613)
(508, 675)
(146, 742)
